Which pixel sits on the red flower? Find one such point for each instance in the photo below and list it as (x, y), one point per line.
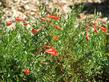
(95, 30)
(58, 27)
(54, 17)
(26, 71)
(43, 19)
(25, 24)
(18, 19)
(34, 31)
(87, 30)
(55, 38)
(103, 29)
(8, 23)
(87, 37)
(52, 51)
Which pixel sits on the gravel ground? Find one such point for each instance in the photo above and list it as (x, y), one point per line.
(31, 8)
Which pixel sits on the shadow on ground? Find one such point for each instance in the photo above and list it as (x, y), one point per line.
(92, 8)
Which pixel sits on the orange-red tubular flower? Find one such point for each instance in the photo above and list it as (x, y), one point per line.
(8, 23)
(95, 26)
(54, 17)
(55, 38)
(26, 71)
(18, 19)
(25, 24)
(103, 29)
(87, 37)
(58, 27)
(52, 51)
(43, 19)
(35, 31)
